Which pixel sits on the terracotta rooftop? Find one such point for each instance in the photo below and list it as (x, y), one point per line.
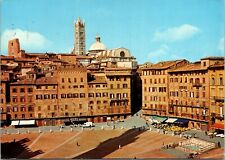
(25, 59)
(98, 79)
(164, 64)
(118, 69)
(46, 80)
(83, 57)
(213, 58)
(3, 57)
(189, 67)
(66, 54)
(24, 82)
(217, 65)
(39, 81)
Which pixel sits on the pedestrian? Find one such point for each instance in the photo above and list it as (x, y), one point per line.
(78, 144)
(206, 133)
(219, 145)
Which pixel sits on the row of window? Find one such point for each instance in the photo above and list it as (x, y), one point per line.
(215, 82)
(104, 94)
(119, 86)
(65, 114)
(22, 99)
(55, 96)
(119, 103)
(46, 96)
(185, 80)
(155, 98)
(98, 107)
(191, 94)
(98, 102)
(23, 116)
(118, 95)
(46, 87)
(55, 107)
(153, 72)
(74, 86)
(70, 80)
(23, 109)
(155, 81)
(98, 86)
(22, 90)
(117, 78)
(154, 89)
(154, 106)
(203, 103)
(188, 74)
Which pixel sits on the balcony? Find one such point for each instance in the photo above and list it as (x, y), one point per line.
(197, 84)
(218, 99)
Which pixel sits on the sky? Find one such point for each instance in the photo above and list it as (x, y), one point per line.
(153, 30)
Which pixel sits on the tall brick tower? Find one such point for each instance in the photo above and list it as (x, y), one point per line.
(79, 45)
(14, 47)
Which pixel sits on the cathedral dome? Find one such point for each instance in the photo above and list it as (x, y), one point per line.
(97, 45)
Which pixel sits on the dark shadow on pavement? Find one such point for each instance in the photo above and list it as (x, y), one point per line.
(111, 145)
(17, 149)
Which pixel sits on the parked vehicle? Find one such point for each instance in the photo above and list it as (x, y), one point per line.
(88, 124)
(62, 126)
(220, 135)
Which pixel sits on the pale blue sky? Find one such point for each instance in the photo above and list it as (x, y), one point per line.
(153, 30)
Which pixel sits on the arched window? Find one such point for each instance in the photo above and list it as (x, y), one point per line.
(213, 81)
(221, 81)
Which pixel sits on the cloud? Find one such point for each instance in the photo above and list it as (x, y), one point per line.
(29, 41)
(221, 45)
(182, 32)
(163, 53)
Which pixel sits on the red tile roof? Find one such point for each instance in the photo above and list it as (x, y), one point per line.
(163, 64)
(189, 67)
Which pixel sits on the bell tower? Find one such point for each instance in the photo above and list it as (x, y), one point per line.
(79, 44)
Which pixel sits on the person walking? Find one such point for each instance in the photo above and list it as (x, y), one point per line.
(219, 145)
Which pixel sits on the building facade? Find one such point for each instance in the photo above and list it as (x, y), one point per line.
(216, 78)
(189, 91)
(155, 87)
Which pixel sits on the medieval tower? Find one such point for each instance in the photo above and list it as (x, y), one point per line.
(79, 44)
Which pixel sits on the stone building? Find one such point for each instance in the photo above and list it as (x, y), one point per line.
(189, 92)
(46, 101)
(14, 47)
(216, 78)
(120, 91)
(155, 87)
(72, 89)
(98, 106)
(22, 99)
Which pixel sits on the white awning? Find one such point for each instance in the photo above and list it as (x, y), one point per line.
(27, 122)
(171, 120)
(15, 123)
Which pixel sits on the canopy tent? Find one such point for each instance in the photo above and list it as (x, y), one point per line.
(27, 122)
(181, 122)
(157, 119)
(171, 120)
(15, 123)
(218, 126)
